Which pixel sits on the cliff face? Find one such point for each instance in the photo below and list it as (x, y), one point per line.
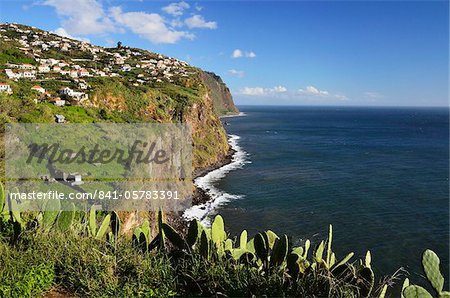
(209, 136)
(193, 103)
(220, 94)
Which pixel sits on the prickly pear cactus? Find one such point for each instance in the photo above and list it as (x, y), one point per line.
(194, 232)
(218, 230)
(204, 245)
(50, 213)
(368, 259)
(280, 251)
(115, 224)
(319, 252)
(404, 286)
(430, 263)
(103, 227)
(307, 246)
(2, 197)
(270, 238)
(228, 245)
(416, 292)
(243, 240)
(4, 212)
(92, 221)
(65, 218)
(329, 241)
(292, 265)
(173, 236)
(261, 247)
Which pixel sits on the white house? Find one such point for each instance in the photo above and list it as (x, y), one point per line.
(83, 72)
(79, 96)
(52, 61)
(118, 59)
(26, 66)
(43, 68)
(27, 75)
(65, 46)
(126, 67)
(58, 102)
(38, 89)
(75, 95)
(83, 85)
(66, 91)
(11, 74)
(60, 119)
(5, 88)
(75, 178)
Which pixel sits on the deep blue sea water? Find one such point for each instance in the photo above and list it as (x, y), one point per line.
(379, 175)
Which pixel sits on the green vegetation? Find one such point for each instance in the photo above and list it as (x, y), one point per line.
(430, 263)
(10, 54)
(88, 254)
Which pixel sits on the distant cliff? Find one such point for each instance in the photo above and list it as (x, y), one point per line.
(220, 93)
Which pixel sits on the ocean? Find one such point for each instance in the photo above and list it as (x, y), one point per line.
(380, 176)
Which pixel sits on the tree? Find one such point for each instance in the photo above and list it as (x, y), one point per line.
(119, 45)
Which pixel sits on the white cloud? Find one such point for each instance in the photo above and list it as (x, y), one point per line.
(197, 21)
(260, 91)
(279, 89)
(237, 54)
(253, 91)
(149, 25)
(313, 93)
(309, 93)
(62, 32)
(237, 73)
(311, 90)
(82, 16)
(176, 9)
(176, 23)
(250, 54)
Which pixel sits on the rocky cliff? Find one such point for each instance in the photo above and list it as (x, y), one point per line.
(220, 93)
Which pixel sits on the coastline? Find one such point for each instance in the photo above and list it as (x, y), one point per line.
(222, 162)
(207, 196)
(202, 195)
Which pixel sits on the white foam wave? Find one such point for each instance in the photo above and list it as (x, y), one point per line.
(206, 183)
(241, 114)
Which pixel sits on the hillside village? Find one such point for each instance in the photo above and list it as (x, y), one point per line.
(70, 66)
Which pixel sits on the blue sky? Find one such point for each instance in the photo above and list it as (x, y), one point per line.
(293, 52)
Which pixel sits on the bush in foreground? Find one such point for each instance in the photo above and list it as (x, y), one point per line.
(86, 254)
